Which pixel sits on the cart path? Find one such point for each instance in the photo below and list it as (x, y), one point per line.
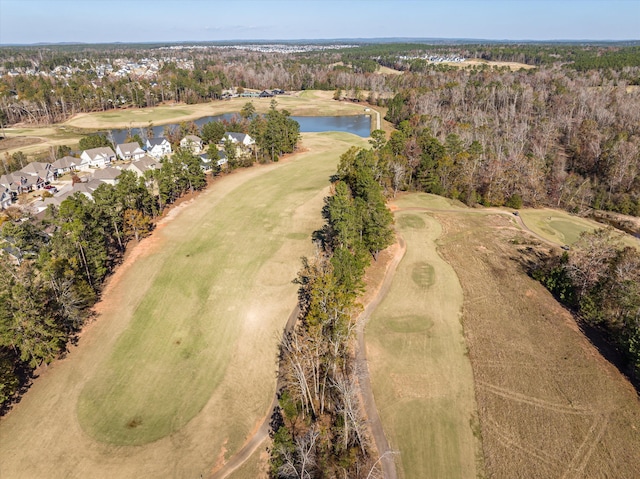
(385, 453)
(517, 218)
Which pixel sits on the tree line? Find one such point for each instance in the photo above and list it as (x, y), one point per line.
(319, 429)
(510, 138)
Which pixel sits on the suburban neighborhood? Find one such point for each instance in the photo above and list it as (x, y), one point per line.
(41, 184)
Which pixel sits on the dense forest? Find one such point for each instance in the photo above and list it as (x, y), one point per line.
(319, 429)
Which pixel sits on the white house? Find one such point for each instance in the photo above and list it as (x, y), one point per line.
(64, 165)
(238, 138)
(96, 158)
(129, 151)
(192, 142)
(158, 147)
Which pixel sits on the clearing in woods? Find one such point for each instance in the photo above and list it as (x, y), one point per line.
(421, 375)
(549, 405)
(178, 369)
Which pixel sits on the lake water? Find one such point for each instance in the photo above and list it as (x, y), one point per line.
(358, 125)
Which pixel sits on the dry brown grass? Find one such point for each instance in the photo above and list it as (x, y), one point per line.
(53, 432)
(550, 406)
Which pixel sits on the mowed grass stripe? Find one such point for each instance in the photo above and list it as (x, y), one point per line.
(174, 354)
(227, 302)
(421, 376)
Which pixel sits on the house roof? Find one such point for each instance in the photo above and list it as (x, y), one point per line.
(128, 148)
(65, 162)
(156, 141)
(36, 168)
(193, 138)
(7, 180)
(88, 187)
(106, 174)
(143, 164)
(240, 137)
(16, 180)
(99, 152)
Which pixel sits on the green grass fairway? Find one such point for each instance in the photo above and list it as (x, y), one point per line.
(179, 368)
(562, 228)
(427, 200)
(421, 375)
(557, 226)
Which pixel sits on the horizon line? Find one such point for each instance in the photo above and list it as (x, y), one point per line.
(335, 39)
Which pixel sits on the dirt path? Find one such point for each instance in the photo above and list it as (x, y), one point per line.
(385, 452)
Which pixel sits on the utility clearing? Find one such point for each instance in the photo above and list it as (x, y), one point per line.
(178, 369)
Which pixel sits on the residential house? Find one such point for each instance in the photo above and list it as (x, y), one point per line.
(158, 147)
(222, 158)
(86, 188)
(193, 143)
(241, 139)
(17, 183)
(64, 165)
(129, 151)
(107, 175)
(266, 94)
(40, 173)
(205, 162)
(96, 158)
(143, 165)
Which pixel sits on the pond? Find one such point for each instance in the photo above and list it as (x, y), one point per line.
(358, 125)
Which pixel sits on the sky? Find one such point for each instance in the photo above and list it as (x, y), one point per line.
(106, 21)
